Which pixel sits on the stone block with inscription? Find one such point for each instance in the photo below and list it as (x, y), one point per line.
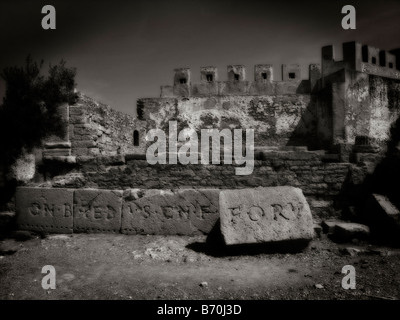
(260, 215)
(44, 209)
(97, 210)
(179, 212)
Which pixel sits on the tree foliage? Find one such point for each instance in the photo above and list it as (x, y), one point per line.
(29, 110)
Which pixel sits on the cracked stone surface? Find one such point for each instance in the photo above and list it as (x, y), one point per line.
(182, 212)
(251, 216)
(97, 210)
(44, 209)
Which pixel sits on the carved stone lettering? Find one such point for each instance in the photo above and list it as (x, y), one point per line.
(67, 210)
(98, 210)
(84, 211)
(97, 214)
(49, 210)
(272, 214)
(277, 210)
(235, 211)
(183, 212)
(297, 209)
(205, 211)
(44, 209)
(168, 212)
(111, 213)
(34, 209)
(255, 213)
(146, 211)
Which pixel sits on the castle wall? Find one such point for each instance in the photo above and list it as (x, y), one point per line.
(97, 129)
(357, 104)
(233, 88)
(372, 106)
(324, 107)
(277, 120)
(362, 58)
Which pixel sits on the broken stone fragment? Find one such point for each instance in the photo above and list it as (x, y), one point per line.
(329, 226)
(346, 231)
(350, 251)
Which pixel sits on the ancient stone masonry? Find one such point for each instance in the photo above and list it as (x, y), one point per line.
(169, 212)
(320, 176)
(132, 211)
(92, 129)
(340, 102)
(317, 134)
(45, 209)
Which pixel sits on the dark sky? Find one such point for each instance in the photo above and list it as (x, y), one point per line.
(124, 50)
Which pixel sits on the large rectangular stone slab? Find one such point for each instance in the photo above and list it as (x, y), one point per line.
(97, 210)
(261, 215)
(167, 212)
(44, 209)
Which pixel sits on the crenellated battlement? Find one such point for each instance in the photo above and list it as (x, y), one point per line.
(236, 83)
(356, 57)
(341, 101)
(362, 58)
(262, 72)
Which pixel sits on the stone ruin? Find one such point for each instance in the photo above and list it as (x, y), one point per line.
(316, 142)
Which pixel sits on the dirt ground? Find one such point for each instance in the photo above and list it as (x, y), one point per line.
(116, 266)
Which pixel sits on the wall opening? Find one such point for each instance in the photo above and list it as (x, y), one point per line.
(373, 60)
(209, 77)
(364, 52)
(182, 80)
(382, 58)
(362, 141)
(292, 75)
(390, 65)
(264, 75)
(236, 77)
(136, 138)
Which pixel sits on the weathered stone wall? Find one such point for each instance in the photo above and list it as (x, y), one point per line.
(354, 104)
(321, 181)
(277, 120)
(137, 211)
(95, 128)
(361, 58)
(234, 88)
(372, 106)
